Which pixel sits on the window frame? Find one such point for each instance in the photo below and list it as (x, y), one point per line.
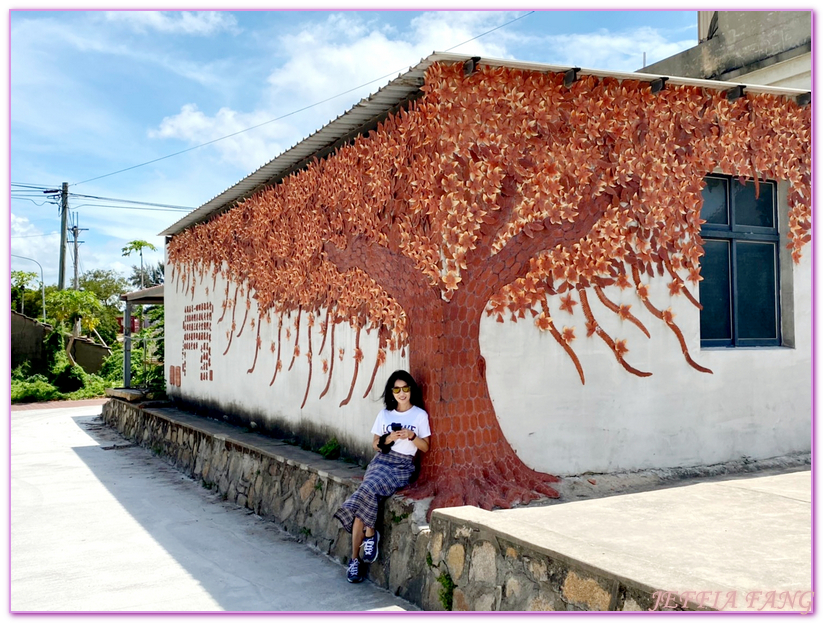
(734, 233)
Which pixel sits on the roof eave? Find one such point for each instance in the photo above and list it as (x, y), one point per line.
(389, 98)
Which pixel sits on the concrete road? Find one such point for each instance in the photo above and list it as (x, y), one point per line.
(100, 529)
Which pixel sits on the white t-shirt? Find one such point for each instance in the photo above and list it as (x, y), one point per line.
(414, 419)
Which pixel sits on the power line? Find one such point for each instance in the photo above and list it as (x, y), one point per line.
(33, 201)
(114, 207)
(294, 112)
(489, 31)
(145, 203)
(26, 185)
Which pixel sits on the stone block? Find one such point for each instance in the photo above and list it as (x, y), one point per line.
(307, 488)
(539, 602)
(287, 509)
(436, 547)
(316, 504)
(630, 605)
(585, 592)
(537, 569)
(459, 601)
(455, 558)
(421, 548)
(431, 594)
(513, 588)
(483, 566)
(485, 602)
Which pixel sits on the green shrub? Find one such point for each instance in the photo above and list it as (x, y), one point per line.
(21, 372)
(112, 368)
(57, 378)
(152, 379)
(93, 386)
(38, 390)
(331, 450)
(69, 379)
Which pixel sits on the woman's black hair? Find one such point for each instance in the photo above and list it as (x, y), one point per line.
(416, 394)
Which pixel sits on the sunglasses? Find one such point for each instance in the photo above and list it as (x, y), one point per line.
(396, 390)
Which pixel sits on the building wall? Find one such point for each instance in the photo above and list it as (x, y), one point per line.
(758, 47)
(757, 402)
(221, 385)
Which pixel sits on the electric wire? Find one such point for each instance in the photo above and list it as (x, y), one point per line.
(294, 112)
(27, 185)
(146, 209)
(33, 201)
(146, 203)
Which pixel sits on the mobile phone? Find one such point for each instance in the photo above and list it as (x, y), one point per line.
(396, 426)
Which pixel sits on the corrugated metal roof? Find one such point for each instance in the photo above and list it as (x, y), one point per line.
(148, 296)
(363, 115)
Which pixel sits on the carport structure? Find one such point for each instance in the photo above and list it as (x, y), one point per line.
(147, 296)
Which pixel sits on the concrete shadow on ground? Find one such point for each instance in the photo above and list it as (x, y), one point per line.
(243, 562)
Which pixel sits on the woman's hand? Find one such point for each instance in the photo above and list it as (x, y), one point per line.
(403, 433)
(395, 435)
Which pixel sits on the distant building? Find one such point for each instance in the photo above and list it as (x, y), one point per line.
(752, 47)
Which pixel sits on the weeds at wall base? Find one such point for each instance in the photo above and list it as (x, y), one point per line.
(446, 593)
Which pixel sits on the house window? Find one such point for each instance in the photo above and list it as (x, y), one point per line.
(740, 289)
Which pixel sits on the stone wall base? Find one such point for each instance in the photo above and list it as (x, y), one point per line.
(458, 561)
(298, 490)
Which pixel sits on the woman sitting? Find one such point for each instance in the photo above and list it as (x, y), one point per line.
(400, 430)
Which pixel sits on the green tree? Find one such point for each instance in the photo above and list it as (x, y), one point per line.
(137, 246)
(106, 285)
(20, 281)
(68, 306)
(148, 276)
(157, 330)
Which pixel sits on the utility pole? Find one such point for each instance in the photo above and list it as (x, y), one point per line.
(64, 214)
(75, 230)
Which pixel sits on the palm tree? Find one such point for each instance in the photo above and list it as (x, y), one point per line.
(138, 246)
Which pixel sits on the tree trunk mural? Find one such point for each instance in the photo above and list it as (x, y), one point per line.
(498, 192)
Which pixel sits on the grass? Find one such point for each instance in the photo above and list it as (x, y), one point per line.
(446, 593)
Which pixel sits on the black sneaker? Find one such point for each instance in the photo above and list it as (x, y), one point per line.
(370, 547)
(353, 574)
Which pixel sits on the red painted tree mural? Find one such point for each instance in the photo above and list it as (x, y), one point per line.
(492, 193)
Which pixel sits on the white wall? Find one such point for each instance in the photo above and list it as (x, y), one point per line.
(757, 402)
(795, 73)
(234, 389)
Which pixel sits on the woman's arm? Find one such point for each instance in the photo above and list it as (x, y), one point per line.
(421, 443)
(374, 443)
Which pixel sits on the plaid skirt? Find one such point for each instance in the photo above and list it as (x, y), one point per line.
(386, 474)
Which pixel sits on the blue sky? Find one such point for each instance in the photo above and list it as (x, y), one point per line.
(94, 92)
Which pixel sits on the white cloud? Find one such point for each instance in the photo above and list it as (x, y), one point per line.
(325, 59)
(200, 23)
(28, 241)
(93, 39)
(248, 150)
